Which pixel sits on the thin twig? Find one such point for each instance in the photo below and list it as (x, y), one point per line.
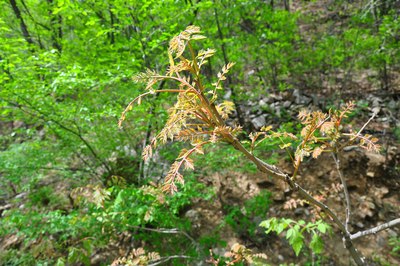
(376, 229)
(47, 118)
(347, 145)
(165, 259)
(167, 231)
(345, 190)
(267, 168)
(369, 120)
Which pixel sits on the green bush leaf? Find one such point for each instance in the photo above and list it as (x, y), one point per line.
(297, 244)
(322, 227)
(289, 233)
(316, 244)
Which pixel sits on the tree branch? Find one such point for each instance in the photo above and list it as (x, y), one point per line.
(369, 120)
(271, 169)
(345, 190)
(226, 61)
(165, 259)
(167, 231)
(56, 31)
(32, 18)
(64, 169)
(22, 24)
(46, 118)
(375, 229)
(149, 129)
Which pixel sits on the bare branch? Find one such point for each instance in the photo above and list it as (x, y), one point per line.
(375, 229)
(165, 259)
(369, 120)
(271, 169)
(345, 190)
(167, 231)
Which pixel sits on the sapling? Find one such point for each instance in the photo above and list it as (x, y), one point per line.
(198, 118)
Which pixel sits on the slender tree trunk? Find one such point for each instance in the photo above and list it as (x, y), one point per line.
(112, 19)
(378, 11)
(22, 24)
(149, 129)
(60, 32)
(195, 12)
(39, 41)
(6, 68)
(286, 3)
(148, 132)
(275, 83)
(385, 78)
(36, 24)
(226, 61)
(56, 27)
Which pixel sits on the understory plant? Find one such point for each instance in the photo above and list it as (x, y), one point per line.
(120, 211)
(199, 118)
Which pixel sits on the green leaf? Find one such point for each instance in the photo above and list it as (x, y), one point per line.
(289, 233)
(198, 37)
(297, 244)
(322, 227)
(301, 222)
(73, 255)
(287, 222)
(284, 146)
(280, 228)
(269, 225)
(316, 244)
(60, 262)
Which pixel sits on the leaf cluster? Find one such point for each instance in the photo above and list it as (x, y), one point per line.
(238, 254)
(114, 211)
(137, 256)
(295, 232)
(320, 132)
(195, 117)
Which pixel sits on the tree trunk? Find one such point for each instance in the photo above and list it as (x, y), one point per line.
(56, 27)
(226, 61)
(22, 24)
(286, 3)
(112, 19)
